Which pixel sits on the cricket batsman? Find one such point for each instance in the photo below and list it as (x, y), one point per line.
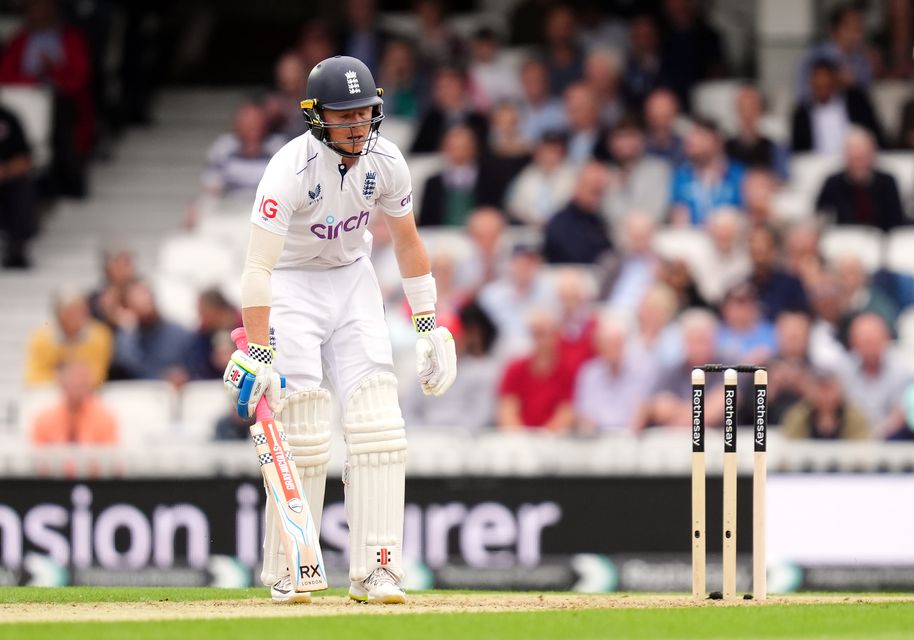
(311, 305)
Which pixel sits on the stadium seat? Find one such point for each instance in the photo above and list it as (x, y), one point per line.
(400, 131)
(899, 255)
(889, 98)
(145, 411)
(867, 243)
(716, 100)
(451, 241)
(685, 243)
(198, 260)
(177, 300)
(202, 403)
(31, 403)
(905, 330)
(808, 172)
(34, 108)
(901, 165)
(422, 166)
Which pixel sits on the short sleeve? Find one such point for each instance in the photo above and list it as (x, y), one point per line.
(278, 197)
(397, 199)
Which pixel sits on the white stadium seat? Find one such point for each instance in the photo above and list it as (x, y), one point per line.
(901, 165)
(400, 131)
(905, 328)
(808, 172)
(889, 98)
(690, 244)
(144, 409)
(34, 108)
(198, 260)
(202, 404)
(422, 166)
(899, 255)
(31, 403)
(716, 100)
(867, 243)
(176, 300)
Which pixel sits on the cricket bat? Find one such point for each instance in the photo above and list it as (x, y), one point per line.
(300, 540)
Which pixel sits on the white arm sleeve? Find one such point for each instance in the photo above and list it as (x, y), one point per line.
(264, 249)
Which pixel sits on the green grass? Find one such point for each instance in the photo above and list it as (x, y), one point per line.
(879, 621)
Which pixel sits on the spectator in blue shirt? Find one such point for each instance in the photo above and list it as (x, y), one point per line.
(744, 335)
(707, 180)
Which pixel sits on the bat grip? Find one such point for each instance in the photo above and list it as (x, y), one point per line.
(240, 338)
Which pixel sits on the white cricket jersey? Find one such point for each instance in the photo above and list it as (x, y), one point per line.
(307, 195)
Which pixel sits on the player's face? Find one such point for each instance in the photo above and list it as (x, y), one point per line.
(349, 138)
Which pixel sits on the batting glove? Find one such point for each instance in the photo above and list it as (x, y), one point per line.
(436, 356)
(250, 376)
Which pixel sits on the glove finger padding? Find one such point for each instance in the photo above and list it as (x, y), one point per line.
(436, 361)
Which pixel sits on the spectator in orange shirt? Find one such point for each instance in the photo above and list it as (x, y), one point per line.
(79, 417)
(536, 391)
(73, 337)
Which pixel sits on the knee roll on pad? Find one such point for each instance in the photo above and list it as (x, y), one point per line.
(306, 421)
(375, 476)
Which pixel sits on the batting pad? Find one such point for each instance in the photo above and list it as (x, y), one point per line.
(375, 476)
(306, 420)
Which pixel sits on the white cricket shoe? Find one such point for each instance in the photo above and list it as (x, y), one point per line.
(282, 592)
(379, 587)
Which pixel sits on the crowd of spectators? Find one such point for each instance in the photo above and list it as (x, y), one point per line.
(566, 146)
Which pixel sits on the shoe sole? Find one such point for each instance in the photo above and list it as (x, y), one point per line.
(391, 599)
(295, 598)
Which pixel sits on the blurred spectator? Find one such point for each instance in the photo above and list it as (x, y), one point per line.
(578, 233)
(692, 49)
(73, 337)
(436, 42)
(545, 185)
(79, 416)
(861, 293)
(236, 161)
(18, 218)
(778, 290)
(708, 180)
(821, 122)
(450, 107)
(218, 317)
(845, 48)
(875, 380)
(575, 289)
(449, 196)
(656, 337)
(232, 427)
(661, 111)
(488, 256)
(526, 21)
(107, 302)
(860, 193)
(642, 72)
(635, 269)
(750, 147)
(611, 388)
(541, 111)
(508, 153)
(727, 263)
(536, 390)
(637, 181)
(602, 73)
(790, 365)
(470, 403)
(359, 35)
(48, 52)
(509, 299)
(759, 188)
(148, 347)
(282, 105)
(315, 43)
(676, 273)
(802, 257)
(670, 403)
(563, 56)
(585, 134)
(493, 79)
(824, 413)
(744, 334)
(399, 78)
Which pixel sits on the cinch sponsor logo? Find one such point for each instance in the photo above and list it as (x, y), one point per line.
(333, 227)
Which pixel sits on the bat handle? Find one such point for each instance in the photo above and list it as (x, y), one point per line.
(240, 338)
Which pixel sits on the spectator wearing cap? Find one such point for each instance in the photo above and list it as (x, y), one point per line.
(510, 298)
(450, 107)
(610, 389)
(707, 180)
(536, 390)
(824, 412)
(79, 416)
(821, 121)
(744, 334)
(545, 185)
(861, 194)
(73, 337)
(637, 181)
(540, 110)
(577, 233)
(875, 379)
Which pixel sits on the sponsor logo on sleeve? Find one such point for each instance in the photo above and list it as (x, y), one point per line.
(268, 207)
(405, 201)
